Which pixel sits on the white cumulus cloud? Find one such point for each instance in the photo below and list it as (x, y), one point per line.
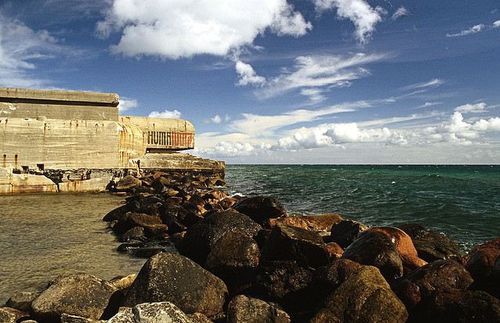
(127, 104)
(496, 24)
(359, 12)
(168, 114)
(247, 74)
(175, 29)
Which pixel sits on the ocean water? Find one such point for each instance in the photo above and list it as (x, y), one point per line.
(461, 201)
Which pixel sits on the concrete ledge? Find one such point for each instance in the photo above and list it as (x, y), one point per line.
(50, 96)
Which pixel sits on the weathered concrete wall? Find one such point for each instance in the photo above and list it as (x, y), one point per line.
(61, 144)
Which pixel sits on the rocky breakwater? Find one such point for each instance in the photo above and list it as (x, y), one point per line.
(239, 259)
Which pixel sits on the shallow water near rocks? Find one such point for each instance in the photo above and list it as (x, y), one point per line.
(45, 235)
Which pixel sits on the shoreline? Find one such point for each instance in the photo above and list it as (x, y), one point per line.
(247, 253)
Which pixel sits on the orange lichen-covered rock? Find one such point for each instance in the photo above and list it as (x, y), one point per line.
(321, 222)
(404, 246)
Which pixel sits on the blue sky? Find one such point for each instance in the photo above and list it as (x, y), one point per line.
(276, 81)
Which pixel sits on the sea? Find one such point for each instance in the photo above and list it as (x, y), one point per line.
(45, 235)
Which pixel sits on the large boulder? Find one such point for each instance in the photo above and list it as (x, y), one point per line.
(346, 231)
(288, 284)
(159, 312)
(234, 258)
(364, 297)
(440, 275)
(132, 220)
(321, 223)
(243, 309)
(201, 237)
(79, 294)
(457, 306)
(404, 246)
(260, 208)
(117, 213)
(293, 243)
(376, 249)
(484, 265)
(169, 277)
(431, 245)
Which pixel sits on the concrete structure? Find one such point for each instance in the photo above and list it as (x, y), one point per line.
(43, 130)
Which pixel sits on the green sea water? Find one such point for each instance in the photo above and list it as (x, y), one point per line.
(461, 201)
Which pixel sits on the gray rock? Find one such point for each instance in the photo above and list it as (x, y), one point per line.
(169, 277)
(11, 315)
(293, 243)
(243, 309)
(160, 312)
(124, 315)
(201, 237)
(364, 297)
(80, 294)
(199, 318)
(260, 208)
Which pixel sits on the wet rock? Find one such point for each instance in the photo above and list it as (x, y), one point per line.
(321, 223)
(136, 233)
(117, 213)
(431, 245)
(458, 306)
(234, 258)
(159, 312)
(146, 249)
(287, 283)
(11, 315)
(80, 294)
(201, 237)
(243, 309)
(440, 275)
(22, 300)
(292, 243)
(128, 183)
(131, 220)
(346, 231)
(260, 208)
(404, 246)
(364, 297)
(124, 315)
(484, 265)
(168, 277)
(376, 249)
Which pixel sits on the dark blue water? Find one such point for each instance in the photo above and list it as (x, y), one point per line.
(461, 201)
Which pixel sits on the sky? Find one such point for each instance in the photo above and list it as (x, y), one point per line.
(279, 81)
